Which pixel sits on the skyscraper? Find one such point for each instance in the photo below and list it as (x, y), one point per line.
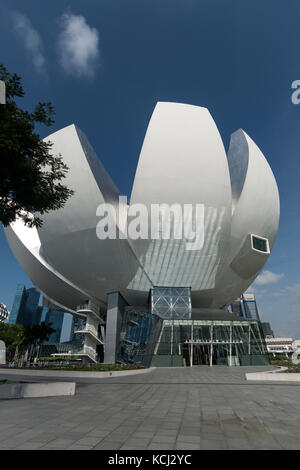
(56, 318)
(246, 307)
(25, 306)
(267, 330)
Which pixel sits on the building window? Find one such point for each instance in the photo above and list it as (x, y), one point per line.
(260, 244)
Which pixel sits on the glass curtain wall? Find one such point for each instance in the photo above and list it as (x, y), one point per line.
(204, 342)
(146, 339)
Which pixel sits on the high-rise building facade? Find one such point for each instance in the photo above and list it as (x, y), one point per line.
(25, 309)
(267, 330)
(56, 318)
(246, 307)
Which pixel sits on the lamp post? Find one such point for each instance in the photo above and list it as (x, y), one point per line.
(2, 92)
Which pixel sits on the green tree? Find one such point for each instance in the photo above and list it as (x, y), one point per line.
(43, 333)
(13, 337)
(30, 176)
(30, 337)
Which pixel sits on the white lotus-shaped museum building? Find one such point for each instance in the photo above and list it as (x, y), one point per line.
(182, 161)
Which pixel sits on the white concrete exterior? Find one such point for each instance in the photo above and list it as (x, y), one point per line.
(35, 390)
(182, 161)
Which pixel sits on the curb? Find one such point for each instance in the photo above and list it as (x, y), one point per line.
(274, 375)
(73, 374)
(22, 390)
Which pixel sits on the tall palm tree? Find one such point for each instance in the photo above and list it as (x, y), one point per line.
(30, 337)
(43, 333)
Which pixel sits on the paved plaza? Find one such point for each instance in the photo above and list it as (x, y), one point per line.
(167, 408)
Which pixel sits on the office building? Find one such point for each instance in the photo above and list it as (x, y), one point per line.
(267, 330)
(25, 306)
(245, 306)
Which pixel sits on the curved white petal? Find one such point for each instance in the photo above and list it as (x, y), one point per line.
(68, 235)
(256, 211)
(26, 246)
(183, 161)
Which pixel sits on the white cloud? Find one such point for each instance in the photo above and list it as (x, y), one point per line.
(78, 45)
(295, 291)
(31, 39)
(267, 277)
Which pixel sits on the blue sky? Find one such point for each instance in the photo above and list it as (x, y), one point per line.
(237, 58)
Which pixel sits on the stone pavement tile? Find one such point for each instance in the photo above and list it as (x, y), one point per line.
(44, 437)
(187, 446)
(208, 428)
(143, 434)
(97, 432)
(235, 434)
(291, 444)
(234, 443)
(281, 431)
(50, 428)
(190, 429)
(166, 432)
(168, 425)
(147, 427)
(30, 434)
(124, 427)
(5, 427)
(84, 428)
(30, 445)
(63, 422)
(209, 444)
(79, 447)
(162, 446)
(212, 436)
(232, 427)
(164, 439)
(187, 438)
(127, 448)
(88, 441)
(59, 443)
(138, 441)
(109, 445)
(70, 435)
(12, 431)
(12, 442)
(118, 436)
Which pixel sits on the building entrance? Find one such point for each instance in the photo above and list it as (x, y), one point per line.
(205, 354)
(196, 354)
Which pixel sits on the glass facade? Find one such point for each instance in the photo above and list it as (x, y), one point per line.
(146, 339)
(246, 307)
(205, 342)
(68, 347)
(56, 319)
(17, 305)
(25, 307)
(171, 302)
(137, 336)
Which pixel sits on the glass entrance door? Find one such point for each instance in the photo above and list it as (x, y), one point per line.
(196, 354)
(201, 354)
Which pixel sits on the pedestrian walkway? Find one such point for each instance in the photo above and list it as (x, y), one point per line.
(168, 408)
